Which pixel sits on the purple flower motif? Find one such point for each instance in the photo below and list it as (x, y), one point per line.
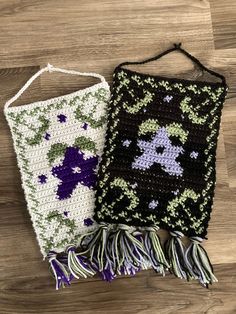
(42, 179)
(75, 169)
(167, 98)
(65, 213)
(159, 150)
(88, 222)
(47, 136)
(61, 118)
(85, 126)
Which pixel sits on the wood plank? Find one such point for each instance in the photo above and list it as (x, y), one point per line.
(223, 14)
(95, 36)
(37, 32)
(50, 85)
(146, 293)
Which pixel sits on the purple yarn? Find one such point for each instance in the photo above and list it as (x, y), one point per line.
(88, 222)
(61, 277)
(83, 261)
(62, 118)
(85, 126)
(168, 98)
(139, 237)
(42, 179)
(153, 204)
(126, 143)
(107, 275)
(73, 159)
(194, 154)
(151, 155)
(47, 136)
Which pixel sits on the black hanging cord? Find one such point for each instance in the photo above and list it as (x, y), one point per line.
(178, 48)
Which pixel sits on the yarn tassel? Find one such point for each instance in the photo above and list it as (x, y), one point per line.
(96, 250)
(175, 251)
(198, 262)
(107, 273)
(127, 252)
(78, 265)
(154, 249)
(60, 270)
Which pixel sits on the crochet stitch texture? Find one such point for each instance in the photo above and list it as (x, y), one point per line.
(58, 143)
(157, 171)
(166, 148)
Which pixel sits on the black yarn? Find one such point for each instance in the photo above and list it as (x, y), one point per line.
(178, 116)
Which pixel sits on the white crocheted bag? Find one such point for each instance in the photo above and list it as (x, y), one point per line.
(58, 143)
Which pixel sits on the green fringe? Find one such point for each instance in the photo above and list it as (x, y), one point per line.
(154, 250)
(175, 251)
(198, 262)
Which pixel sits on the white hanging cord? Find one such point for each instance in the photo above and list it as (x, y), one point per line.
(49, 68)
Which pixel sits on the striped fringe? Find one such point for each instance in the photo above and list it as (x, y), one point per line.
(122, 250)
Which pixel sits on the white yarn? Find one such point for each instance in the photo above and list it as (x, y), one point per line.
(39, 126)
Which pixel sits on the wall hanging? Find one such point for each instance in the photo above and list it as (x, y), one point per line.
(157, 171)
(58, 143)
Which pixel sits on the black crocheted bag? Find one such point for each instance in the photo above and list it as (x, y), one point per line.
(157, 172)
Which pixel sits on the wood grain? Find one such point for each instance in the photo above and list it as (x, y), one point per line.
(145, 293)
(95, 36)
(224, 23)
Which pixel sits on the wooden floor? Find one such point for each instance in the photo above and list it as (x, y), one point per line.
(92, 35)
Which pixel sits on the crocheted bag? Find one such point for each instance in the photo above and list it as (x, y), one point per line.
(157, 171)
(58, 143)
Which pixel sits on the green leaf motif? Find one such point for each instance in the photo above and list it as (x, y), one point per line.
(85, 143)
(56, 150)
(90, 118)
(39, 132)
(58, 221)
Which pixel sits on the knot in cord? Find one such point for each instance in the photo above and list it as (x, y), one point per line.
(152, 228)
(103, 225)
(177, 46)
(70, 248)
(177, 234)
(196, 239)
(50, 68)
(52, 256)
(124, 227)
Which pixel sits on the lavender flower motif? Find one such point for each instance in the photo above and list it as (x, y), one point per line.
(88, 222)
(153, 204)
(47, 136)
(126, 143)
(167, 98)
(159, 150)
(194, 154)
(61, 118)
(75, 169)
(42, 179)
